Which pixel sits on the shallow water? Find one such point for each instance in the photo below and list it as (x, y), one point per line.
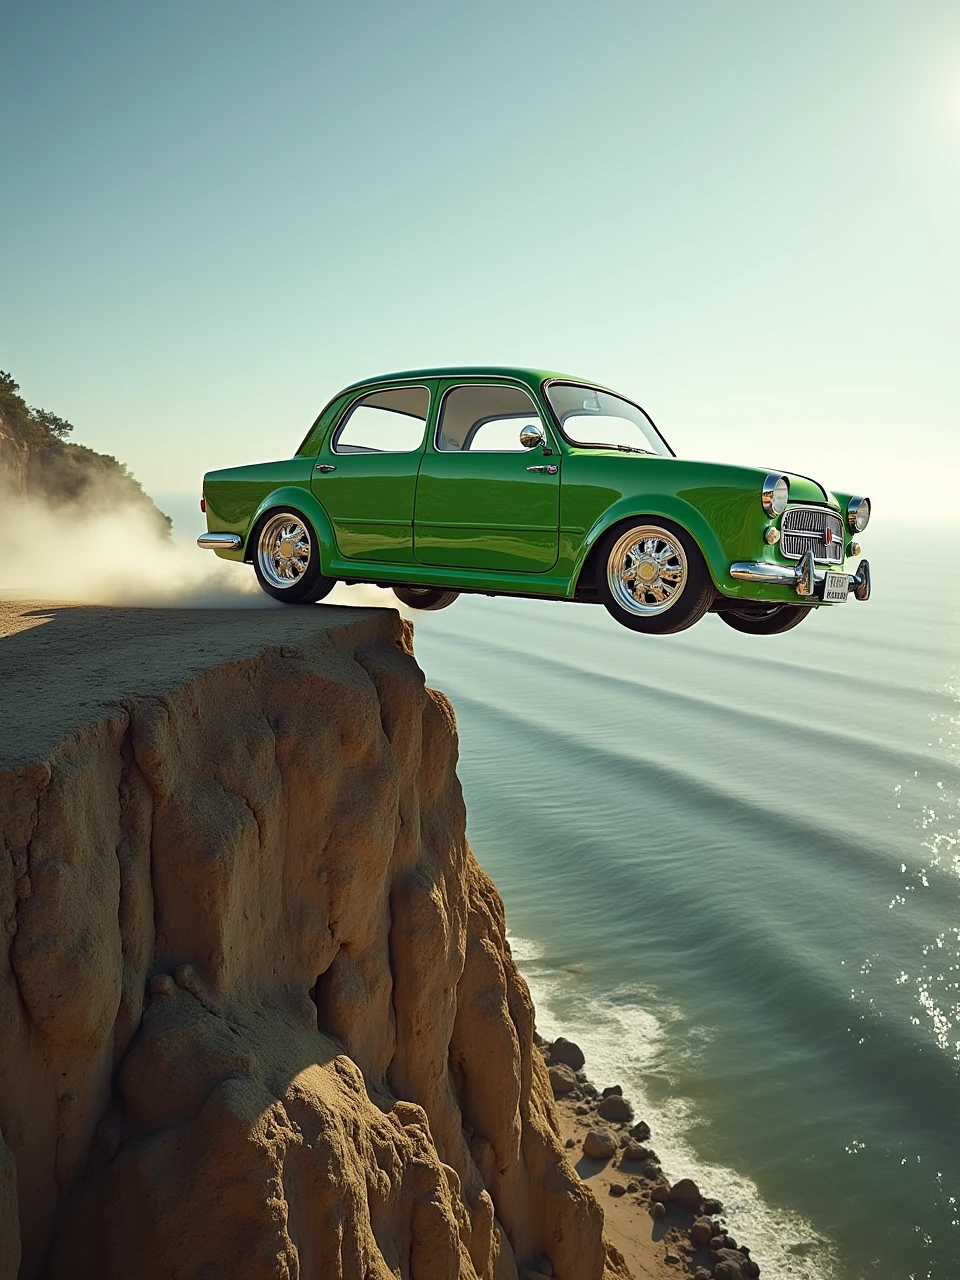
(731, 867)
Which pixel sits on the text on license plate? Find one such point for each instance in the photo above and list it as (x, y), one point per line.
(835, 587)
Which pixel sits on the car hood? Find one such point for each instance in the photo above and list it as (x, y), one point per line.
(802, 488)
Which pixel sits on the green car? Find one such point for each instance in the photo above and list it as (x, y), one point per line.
(518, 482)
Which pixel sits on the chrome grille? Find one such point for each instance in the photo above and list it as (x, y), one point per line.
(803, 528)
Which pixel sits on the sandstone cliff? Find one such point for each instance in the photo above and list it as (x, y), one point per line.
(259, 1013)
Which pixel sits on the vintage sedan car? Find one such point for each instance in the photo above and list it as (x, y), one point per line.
(519, 482)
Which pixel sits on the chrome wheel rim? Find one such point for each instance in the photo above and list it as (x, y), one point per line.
(647, 571)
(283, 551)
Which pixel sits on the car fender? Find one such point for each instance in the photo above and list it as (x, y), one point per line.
(301, 500)
(669, 508)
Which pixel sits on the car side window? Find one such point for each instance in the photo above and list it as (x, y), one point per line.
(390, 421)
(485, 419)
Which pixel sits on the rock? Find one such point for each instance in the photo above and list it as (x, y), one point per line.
(562, 1081)
(712, 1207)
(687, 1193)
(617, 1189)
(727, 1271)
(728, 1265)
(611, 1090)
(702, 1231)
(633, 1187)
(716, 1244)
(729, 1242)
(161, 984)
(272, 798)
(671, 1257)
(641, 1131)
(750, 1269)
(659, 1209)
(660, 1193)
(591, 1090)
(566, 1052)
(633, 1153)
(599, 1144)
(570, 1143)
(701, 1273)
(581, 1109)
(614, 1107)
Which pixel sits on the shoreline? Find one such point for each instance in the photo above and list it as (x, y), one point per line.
(660, 1227)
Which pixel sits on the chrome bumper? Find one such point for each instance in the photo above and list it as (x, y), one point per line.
(804, 576)
(219, 541)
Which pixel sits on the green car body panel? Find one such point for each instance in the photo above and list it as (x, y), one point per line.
(483, 522)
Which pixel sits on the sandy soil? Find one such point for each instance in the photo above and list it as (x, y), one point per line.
(629, 1224)
(62, 666)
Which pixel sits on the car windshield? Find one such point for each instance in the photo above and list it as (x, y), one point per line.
(588, 417)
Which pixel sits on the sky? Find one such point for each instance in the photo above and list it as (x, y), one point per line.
(744, 215)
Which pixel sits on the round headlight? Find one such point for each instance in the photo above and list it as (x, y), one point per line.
(776, 491)
(858, 514)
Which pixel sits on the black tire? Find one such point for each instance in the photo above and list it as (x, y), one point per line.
(771, 621)
(294, 578)
(426, 598)
(668, 546)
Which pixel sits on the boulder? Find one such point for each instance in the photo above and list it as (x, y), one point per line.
(729, 1265)
(562, 1081)
(687, 1193)
(641, 1131)
(659, 1209)
(611, 1090)
(616, 1108)
(660, 1193)
(633, 1152)
(617, 1189)
(566, 1052)
(701, 1232)
(727, 1271)
(599, 1144)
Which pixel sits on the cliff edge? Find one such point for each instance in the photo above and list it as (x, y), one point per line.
(260, 1015)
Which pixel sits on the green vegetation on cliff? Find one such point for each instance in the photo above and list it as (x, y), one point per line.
(38, 461)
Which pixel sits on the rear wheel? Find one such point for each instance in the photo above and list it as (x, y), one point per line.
(771, 620)
(653, 578)
(286, 558)
(428, 598)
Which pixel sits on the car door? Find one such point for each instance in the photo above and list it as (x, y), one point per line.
(365, 475)
(484, 501)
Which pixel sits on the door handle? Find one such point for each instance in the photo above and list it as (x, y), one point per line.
(550, 470)
(325, 466)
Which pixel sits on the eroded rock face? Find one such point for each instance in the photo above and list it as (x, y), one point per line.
(263, 1019)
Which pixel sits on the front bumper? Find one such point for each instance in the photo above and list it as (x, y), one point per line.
(804, 577)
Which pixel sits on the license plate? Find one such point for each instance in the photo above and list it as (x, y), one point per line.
(836, 587)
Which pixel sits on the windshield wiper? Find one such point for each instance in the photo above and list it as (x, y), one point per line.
(629, 448)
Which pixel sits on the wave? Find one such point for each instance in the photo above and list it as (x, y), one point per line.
(625, 1043)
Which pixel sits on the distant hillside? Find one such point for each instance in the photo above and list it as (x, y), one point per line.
(37, 460)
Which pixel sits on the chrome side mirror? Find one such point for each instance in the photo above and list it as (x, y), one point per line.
(531, 436)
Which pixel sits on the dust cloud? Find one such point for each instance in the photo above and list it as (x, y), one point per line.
(91, 555)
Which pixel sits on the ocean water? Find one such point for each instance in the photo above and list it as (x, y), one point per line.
(731, 868)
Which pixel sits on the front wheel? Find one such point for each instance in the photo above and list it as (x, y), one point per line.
(771, 620)
(286, 558)
(431, 598)
(653, 577)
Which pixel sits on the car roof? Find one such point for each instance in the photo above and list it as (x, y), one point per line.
(532, 377)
